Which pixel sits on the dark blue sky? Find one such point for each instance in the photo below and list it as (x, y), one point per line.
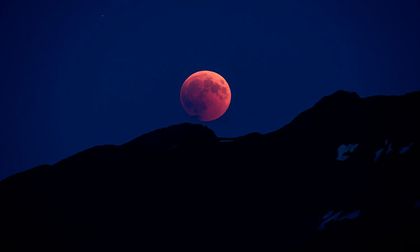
(74, 74)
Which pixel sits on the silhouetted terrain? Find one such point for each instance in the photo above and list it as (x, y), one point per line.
(343, 176)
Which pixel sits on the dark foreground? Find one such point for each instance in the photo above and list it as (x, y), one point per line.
(343, 176)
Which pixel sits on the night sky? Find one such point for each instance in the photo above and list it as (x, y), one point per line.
(75, 74)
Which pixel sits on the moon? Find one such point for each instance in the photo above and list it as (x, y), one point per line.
(205, 95)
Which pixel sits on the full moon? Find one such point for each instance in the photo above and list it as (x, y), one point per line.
(205, 95)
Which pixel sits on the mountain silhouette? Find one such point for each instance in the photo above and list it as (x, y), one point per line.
(342, 176)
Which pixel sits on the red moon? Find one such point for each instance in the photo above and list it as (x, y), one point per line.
(205, 95)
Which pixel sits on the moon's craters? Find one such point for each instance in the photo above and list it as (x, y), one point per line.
(206, 95)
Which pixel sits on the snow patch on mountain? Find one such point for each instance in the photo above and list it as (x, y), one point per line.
(344, 151)
(334, 216)
(385, 150)
(405, 149)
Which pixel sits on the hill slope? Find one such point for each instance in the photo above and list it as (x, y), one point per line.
(342, 176)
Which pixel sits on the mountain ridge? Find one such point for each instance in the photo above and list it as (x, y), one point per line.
(324, 181)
